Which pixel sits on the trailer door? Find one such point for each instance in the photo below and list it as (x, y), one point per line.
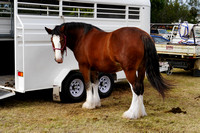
(35, 67)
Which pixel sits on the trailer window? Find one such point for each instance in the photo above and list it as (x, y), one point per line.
(38, 7)
(134, 13)
(74, 9)
(111, 11)
(40, 1)
(78, 9)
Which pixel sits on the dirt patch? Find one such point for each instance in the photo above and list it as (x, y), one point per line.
(176, 110)
(197, 98)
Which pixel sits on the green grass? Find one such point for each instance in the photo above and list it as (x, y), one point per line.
(35, 112)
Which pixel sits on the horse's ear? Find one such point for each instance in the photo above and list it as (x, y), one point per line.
(49, 31)
(62, 29)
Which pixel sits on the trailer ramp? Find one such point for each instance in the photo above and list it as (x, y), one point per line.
(6, 93)
(7, 86)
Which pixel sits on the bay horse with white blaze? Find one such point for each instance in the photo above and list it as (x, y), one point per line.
(129, 49)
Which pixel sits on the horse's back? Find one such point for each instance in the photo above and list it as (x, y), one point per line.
(92, 51)
(111, 51)
(126, 44)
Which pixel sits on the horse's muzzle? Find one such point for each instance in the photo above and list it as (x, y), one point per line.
(59, 61)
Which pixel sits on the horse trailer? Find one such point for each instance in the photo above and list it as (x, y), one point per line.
(27, 58)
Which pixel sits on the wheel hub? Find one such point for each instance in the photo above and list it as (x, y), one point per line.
(76, 87)
(104, 84)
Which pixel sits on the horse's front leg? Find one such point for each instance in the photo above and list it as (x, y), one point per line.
(95, 80)
(96, 97)
(89, 103)
(92, 99)
(92, 96)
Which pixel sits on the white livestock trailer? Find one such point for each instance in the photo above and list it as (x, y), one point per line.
(27, 59)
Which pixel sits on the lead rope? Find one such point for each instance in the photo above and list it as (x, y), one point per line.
(65, 45)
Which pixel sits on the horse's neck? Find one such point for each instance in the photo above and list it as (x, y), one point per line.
(73, 38)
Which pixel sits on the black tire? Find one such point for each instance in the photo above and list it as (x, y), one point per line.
(106, 83)
(196, 73)
(73, 88)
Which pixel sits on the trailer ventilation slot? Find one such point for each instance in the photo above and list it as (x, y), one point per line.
(74, 9)
(134, 13)
(38, 9)
(80, 9)
(111, 11)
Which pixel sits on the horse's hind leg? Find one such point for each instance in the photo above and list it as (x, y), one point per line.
(137, 108)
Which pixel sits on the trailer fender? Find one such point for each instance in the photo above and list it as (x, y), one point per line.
(58, 83)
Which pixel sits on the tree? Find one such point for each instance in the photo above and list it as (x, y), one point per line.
(193, 2)
(156, 6)
(163, 11)
(193, 15)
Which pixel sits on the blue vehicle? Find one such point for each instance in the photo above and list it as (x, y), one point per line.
(160, 39)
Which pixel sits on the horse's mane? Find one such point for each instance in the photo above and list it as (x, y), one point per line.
(74, 25)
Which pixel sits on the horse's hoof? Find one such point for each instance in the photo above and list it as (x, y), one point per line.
(98, 104)
(87, 105)
(130, 115)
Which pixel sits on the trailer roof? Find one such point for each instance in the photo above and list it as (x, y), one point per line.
(120, 2)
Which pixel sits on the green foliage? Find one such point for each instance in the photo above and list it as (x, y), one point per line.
(163, 11)
(156, 6)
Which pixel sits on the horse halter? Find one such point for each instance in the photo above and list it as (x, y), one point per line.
(63, 47)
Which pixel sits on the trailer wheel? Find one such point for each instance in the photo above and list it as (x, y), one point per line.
(196, 73)
(106, 83)
(73, 88)
(169, 71)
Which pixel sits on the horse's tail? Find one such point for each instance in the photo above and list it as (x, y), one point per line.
(152, 66)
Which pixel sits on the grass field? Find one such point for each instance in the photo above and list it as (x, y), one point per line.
(35, 112)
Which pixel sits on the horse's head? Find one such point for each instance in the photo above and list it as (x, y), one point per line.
(58, 40)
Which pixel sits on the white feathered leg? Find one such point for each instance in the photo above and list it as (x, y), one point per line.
(96, 97)
(92, 99)
(137, 108)
(89, 104)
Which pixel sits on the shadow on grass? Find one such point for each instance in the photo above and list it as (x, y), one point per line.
(181, 72)
(43, 96)
(27, 98)
(121, 86)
